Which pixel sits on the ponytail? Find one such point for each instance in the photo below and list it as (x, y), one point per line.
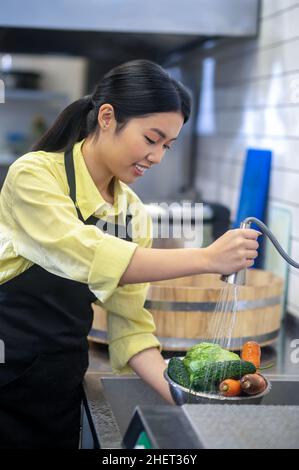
(69, 127)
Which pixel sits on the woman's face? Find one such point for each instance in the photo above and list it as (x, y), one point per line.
(139, 145)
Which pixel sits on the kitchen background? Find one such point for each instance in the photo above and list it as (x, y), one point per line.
(245, 88)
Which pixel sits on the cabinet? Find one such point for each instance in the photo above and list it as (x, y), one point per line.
(17, 113)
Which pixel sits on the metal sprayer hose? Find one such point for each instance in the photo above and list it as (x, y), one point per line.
(275, 242)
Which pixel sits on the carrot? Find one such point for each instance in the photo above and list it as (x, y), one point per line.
(230, 388)
(253, 384)
(251, 352)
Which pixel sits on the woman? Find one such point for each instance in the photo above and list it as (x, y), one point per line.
(57, 255)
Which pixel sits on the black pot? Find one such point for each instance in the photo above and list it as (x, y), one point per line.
(21, 79)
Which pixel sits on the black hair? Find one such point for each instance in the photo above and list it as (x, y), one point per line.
(136, 88)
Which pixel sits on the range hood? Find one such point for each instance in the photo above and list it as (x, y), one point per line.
(122, 29)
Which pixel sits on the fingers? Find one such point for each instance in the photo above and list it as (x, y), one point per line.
(251, 245)
(251, 254)
(250, 233)
(249, 263)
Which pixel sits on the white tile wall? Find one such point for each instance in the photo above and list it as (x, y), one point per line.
(254, 102)
(271, 7)
(281, 91)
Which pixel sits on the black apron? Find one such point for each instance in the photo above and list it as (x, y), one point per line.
(44, 323)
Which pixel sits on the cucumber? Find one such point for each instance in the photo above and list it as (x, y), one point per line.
(212, 373)
(178, 372)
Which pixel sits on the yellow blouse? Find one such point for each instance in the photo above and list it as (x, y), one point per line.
(39, 225)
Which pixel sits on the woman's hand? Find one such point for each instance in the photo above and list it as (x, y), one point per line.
(235, 250)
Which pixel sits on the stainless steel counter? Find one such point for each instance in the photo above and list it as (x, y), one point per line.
(111, 402)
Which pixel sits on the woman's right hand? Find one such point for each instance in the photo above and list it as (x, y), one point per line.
(233, 251)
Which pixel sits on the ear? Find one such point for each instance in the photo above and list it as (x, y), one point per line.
(105, 115)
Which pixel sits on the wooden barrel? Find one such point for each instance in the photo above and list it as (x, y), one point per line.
(185, 311)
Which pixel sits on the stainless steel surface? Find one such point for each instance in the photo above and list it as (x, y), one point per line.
(165, 428)
(182, 395)
(102, 420)
(246, 427)
(125, 393)
(173, 17)
(239, 278)
(228, 17)
(113, 401)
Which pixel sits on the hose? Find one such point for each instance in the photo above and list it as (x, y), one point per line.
(275, 242)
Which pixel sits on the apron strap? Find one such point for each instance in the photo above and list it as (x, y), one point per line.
(70, 173)
(71, 178)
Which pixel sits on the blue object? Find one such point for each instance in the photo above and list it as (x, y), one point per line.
(255, 189)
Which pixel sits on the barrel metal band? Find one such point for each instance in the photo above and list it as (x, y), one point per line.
(186, 343)
(169, 305)
(235, 343)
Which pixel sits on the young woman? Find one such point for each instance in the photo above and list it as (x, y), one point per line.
(57, 255)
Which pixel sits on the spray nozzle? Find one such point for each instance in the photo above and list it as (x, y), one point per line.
(239, 278)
